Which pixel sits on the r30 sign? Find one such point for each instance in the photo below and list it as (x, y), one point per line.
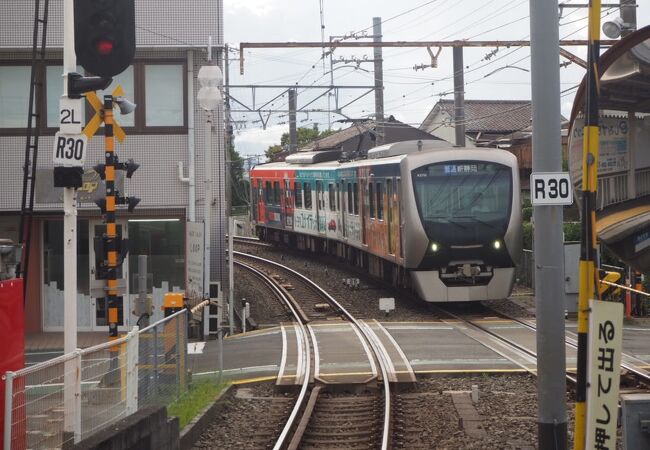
(551, 189)
(69, 149)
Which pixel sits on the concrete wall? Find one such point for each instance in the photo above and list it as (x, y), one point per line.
(148, 429)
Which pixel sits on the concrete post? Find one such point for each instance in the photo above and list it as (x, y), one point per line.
(379, 81)
(459, 97)
(293, 136)
(132, 353)
(72, 416)
(548, 236)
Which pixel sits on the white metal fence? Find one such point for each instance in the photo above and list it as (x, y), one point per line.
(66, 399)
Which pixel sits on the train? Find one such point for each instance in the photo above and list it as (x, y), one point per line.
(442, 221)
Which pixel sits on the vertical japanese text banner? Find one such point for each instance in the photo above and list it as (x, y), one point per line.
(604, 373)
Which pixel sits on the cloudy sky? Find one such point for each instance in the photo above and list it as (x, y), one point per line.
(408, 94)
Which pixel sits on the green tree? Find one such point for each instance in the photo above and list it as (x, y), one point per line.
(304, 136)
(239, 187)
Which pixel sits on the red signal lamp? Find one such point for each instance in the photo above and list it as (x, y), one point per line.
(104, 46)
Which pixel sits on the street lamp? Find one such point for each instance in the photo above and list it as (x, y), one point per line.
(209, 98)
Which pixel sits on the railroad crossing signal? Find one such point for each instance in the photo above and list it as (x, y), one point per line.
(93, 125)
(104, 35)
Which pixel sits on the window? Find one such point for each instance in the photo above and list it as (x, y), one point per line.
(307, 196)
(350, 199)
(332, 197)
(356, 198)
(371, 200)
(276, 192)
(14, 96)
(158, 88)
(298, 194)
(164, 94)
(380, 202)
(269, 193)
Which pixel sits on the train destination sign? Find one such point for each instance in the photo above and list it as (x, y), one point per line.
(551, 188)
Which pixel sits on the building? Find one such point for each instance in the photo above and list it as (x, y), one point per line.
(356, 140)
(485, 120)
(166, 127)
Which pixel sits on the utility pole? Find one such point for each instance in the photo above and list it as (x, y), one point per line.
(72, 402)
(628, 14)
(548, 236)
(379, 80)
(588, 275)
(459, 97)
(293, 137)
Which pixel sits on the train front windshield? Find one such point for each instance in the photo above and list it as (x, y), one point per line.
(463, 202)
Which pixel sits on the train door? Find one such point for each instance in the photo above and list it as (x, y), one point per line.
(362, 211)
(389, 215)
(288, 204)
(343, 209)
(254, 199)
(319, 210)
(398, 219)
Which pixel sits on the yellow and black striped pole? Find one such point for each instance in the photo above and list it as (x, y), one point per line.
(111, 227)
(588, 272)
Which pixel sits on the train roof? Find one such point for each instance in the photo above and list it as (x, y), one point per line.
(408, 147)
(384, 154)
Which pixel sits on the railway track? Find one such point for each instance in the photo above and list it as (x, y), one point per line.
(320, 418)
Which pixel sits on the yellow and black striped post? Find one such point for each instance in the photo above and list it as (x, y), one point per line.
(111, 241)
(588, 273)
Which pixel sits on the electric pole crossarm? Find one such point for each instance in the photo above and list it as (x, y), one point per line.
(401, 44)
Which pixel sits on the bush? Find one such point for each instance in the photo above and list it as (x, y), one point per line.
(528, 235)
(571, 233)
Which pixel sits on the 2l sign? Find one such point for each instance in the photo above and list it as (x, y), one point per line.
(69, 149)
(551, 188)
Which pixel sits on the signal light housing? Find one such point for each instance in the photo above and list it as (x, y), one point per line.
(104, 35)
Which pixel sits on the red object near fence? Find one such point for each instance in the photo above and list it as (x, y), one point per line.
(12, 348)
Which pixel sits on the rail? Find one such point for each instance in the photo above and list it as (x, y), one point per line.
(360, 327)
(300, 319)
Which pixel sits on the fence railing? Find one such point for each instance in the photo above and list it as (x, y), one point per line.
(525, 271)
(66, 399)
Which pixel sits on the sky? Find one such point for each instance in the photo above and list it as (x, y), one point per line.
(409, 94)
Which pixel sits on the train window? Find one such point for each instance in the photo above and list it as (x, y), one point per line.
(269, 195)
(349, 198)
(276, 192)
(332, 197)
(356, 199)
(287, 189)
(380, 202)
(371, 200)
(298, 194)
(307, 196)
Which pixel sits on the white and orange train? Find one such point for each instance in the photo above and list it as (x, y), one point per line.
(441, 220)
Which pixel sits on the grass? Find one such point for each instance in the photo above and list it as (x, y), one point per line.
(199, 395)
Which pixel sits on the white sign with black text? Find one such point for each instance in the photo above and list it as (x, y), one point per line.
(69, 149)
(551, 188)
(70, 115)
(603, 373)
(194, 260)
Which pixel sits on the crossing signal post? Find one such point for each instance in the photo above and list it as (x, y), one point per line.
(111, 246)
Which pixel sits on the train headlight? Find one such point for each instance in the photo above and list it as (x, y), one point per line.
(434, 247)
(496, 244)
